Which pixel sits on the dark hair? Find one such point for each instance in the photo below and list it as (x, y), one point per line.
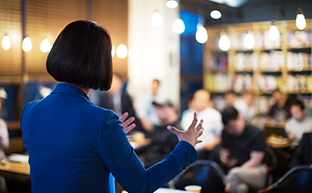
(81, 55)
(298, 103)
(230, 92)
(156, 80)
(228, 114)
(276, 90)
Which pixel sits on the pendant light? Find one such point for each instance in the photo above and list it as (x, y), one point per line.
(6, 43)
(178, 26)
(215, 14)
(172, 4)
(300, 20)
(201, 35)
(157, 19)
(249, 40)
(45, 45)
(122, 51)
(27, 45)
(274, 33)
(224, 41)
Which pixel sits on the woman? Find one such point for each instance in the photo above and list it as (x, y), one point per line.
(74, 145)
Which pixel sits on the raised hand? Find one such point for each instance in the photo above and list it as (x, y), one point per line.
(128, 124)
(191, 134)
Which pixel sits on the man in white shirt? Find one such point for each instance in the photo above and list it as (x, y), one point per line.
(212, 123)
(245, 107)
(299, 123)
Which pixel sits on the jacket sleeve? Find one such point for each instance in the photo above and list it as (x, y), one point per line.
(121, 160)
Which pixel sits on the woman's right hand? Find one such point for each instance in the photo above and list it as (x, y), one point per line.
(191, 135)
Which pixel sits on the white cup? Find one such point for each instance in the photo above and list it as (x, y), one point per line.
(193, 188)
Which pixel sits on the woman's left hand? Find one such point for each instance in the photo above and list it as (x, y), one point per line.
(128, 124)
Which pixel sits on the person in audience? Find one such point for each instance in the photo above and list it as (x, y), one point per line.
(146, 110)
(162, 140)
(230, 98)
(278, 111)
(302, 155)
(118, 99)
(242, 152)
(4, 135)
(76, 146)
(211, 137)
(246, 107)
(299, 123)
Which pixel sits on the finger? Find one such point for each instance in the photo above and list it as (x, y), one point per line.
(130, 137)
(199, 126)
(128, 122)
(200, 132)
(199, 141)
(173, 130)
(194, 122)
(123, 117)
(128, 129)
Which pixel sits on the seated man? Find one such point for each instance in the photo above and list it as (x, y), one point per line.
(243, 149)
(299, 123)
(302, 155)
(212, 124)
(245, 107)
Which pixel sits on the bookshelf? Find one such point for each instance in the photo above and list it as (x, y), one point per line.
(283, 64)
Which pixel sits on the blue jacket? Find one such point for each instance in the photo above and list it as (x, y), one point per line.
(74, 145)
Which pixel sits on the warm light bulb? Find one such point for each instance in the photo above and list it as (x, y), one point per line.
(224, 43)
(172, 4)
(134, 52)
(300, 21)
(178, 26)
(157, 19)
(215, 14)
(122, 51)
(113, 51)
(201, 35)
(45, 45)
(27, 45)
(249, 40)
(274, 34)
(6, 43)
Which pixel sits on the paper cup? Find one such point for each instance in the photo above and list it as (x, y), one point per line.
(193, 188)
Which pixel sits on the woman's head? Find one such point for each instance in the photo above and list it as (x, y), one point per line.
(81, 55)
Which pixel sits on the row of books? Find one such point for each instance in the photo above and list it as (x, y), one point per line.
(218, 63)
(298, 84)
(298, 61)
(268, 83)
(298, 39)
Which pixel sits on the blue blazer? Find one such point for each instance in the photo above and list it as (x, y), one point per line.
(74, 145)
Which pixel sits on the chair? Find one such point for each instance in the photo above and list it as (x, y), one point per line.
(297, 179)
(205, 173)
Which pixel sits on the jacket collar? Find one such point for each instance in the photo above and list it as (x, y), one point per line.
(68, 89)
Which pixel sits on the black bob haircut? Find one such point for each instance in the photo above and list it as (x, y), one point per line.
(228, 114)
(81, 55)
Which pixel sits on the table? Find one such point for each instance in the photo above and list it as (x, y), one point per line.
(15, 170)
(137, 145)
(167, 190)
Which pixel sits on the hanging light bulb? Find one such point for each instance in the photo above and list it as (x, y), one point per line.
(113, 51)
(172, 4)
(6, 43)
(224, 41)
(215, 14)
(201, 35)
(249, 40)
(122, 51)
(134, 52)
(27, 45)
(157, 19)
(300, 20)
(178, 26)
(45, 45)
(274, 34)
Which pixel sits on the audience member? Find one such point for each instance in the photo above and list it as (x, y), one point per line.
(212, 123)
(4, 135)
(302, 155)
(245, 107)
(243, 149)
(146, 110)
(163, 141)
(118, 100)
(299, 123)
(230, 98)
(278, 111)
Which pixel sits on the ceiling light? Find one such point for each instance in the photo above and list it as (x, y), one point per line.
(274, 34)
(172, 4)
(215, 14)
(201, 35)
(27, 45)
(6, 43)
(157, 19)
(178, 26)
(224, 41)
(300, 20)
(122, 51)
(249, 40)
(45, 45)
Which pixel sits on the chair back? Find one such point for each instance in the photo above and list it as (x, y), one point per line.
(297, 179)
(205, 173)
